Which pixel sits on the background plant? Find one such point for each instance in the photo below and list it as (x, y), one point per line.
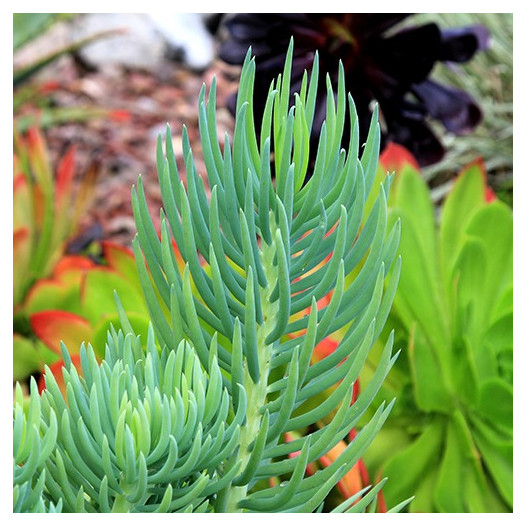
(389, 59)
(47, 207)
(442, 100)
(76, 304)
(198, 424)
(488, 77)
(32, 98)
(449, 439)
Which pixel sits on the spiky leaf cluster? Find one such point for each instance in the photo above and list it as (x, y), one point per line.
(255, 254)
(33, 443)
(141, 431)
(196, 421)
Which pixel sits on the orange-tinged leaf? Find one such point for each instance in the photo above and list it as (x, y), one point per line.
(38, 157)
(352, 482)
(39, 203)
(54, 326)
(326, 347)
(489, 195)
(85, 191)
(19, 182)
(121, 259)
(381, 505)
(64, 180)
(63, 205)
(114, 252)
(355, 391)
(394, 157)
(20, 236)
(72, 263)
(35, 142)
(364, 475)
(72, 268)
(478, 162)
(178, 257)
(56, 369)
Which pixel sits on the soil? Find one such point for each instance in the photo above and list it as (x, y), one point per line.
(122, 144)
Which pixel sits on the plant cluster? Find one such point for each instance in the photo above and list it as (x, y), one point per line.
(450, 437)
(488, 78)
(76, 304)
(239, 359)
(220, 409)
(47, 207)
(388, 58)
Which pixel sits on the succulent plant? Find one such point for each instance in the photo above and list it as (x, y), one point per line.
(197, 419)
(450, 439)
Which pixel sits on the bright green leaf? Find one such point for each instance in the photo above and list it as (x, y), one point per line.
(408, 466)
(496, 402)
(97, 294)
(465, 198)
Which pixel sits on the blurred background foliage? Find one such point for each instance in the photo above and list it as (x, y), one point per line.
(488, 78)
(32, 101)
(27, 26)
(449, 439)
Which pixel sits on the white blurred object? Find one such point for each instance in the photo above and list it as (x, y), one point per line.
(138, 46)
(186, 32)
(145, 39)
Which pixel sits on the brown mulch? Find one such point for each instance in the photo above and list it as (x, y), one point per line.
(124, 144)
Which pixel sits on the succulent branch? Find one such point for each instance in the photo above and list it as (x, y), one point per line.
(195, 420)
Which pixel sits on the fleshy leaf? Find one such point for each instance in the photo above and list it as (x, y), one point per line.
(28, 357)
(456, 463)
(428, 374)
(395, 157)
(465, 198)
(52, 294)
(411, 464)
(471, 276)
(494, 226)
(496, 402)
(64, 179)
(418, 296)
(97, 294)
(423, 501)
(497, 453)
(121, 259)
(52, 327)
(71, 267)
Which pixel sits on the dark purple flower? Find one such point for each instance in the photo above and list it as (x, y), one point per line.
(381, 64)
